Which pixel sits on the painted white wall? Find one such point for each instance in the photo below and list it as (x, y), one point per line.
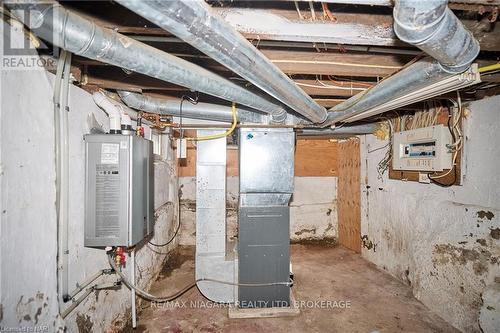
(442, 241)
(313, 209)
(28, 243)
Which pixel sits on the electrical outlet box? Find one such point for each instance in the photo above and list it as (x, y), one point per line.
(422, 149)
(119, 193)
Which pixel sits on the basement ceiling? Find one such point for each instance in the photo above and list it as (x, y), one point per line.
(332, 50)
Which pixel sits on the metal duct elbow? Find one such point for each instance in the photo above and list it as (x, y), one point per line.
(431, 26)
(204, 111)
(137, 101)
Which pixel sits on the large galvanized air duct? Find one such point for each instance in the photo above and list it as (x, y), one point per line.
(431, 26)
(51, 22)
(343, 131)
(215, 257)
(205, 111)
(195, 22)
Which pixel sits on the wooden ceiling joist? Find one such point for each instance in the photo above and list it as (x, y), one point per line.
(317, 63)
(348, 28)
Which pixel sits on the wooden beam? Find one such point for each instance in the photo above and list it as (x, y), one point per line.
(316, 63)
(326, 88)
(329, 102)
(472, 4)
(111, 77)
(285, 25)
(334, 63)
(348, 28)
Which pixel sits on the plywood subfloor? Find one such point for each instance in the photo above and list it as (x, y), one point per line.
(378, 301)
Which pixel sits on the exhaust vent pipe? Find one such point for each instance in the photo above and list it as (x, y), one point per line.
(344, 131)
(205, 111)
(431, 26)
(78, 35)
(113, 112)
(196, 23)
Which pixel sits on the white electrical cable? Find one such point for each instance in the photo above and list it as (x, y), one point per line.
(132, 291)
(328, 86)
(457, 145)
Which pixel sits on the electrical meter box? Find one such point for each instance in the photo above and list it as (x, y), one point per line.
(119, 190)
(422, 149)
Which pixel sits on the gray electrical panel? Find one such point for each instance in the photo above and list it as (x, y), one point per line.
(119, 190)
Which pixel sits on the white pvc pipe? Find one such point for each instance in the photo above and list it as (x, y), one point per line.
(132, 290)
(113, 112)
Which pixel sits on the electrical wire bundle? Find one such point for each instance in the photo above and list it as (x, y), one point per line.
(454, 117)
(421, 119)
(383, 165)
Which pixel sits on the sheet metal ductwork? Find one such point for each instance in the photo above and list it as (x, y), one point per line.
(215, 257)
(416, 76)
(204, 111)
(431, 26)
(195, 22)
(343, 131)
(258, 273)
(266, 186)
(81, 36)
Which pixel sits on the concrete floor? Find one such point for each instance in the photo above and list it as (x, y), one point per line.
(378, 302)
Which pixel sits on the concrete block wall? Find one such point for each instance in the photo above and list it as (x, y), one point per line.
(28, 230)
(444, 242)
(313, 212)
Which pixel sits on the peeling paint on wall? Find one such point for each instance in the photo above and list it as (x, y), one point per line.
(485, 214)
(450, 254)
(83, 323)
(368, 244)
(313, 209)
(30, 298)
(495, 233)
(29, 309)
(442, 241)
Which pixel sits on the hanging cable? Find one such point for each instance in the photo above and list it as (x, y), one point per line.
(162, 299)
(489, 68)
(383, 165)
(455, 146)
(191, 100)
(221, 135)
(176, 229)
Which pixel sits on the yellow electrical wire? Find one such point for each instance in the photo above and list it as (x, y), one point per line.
(221, 135)
(489, 68)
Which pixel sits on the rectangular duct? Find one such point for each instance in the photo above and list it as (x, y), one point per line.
(214, 258)
(266, 186)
